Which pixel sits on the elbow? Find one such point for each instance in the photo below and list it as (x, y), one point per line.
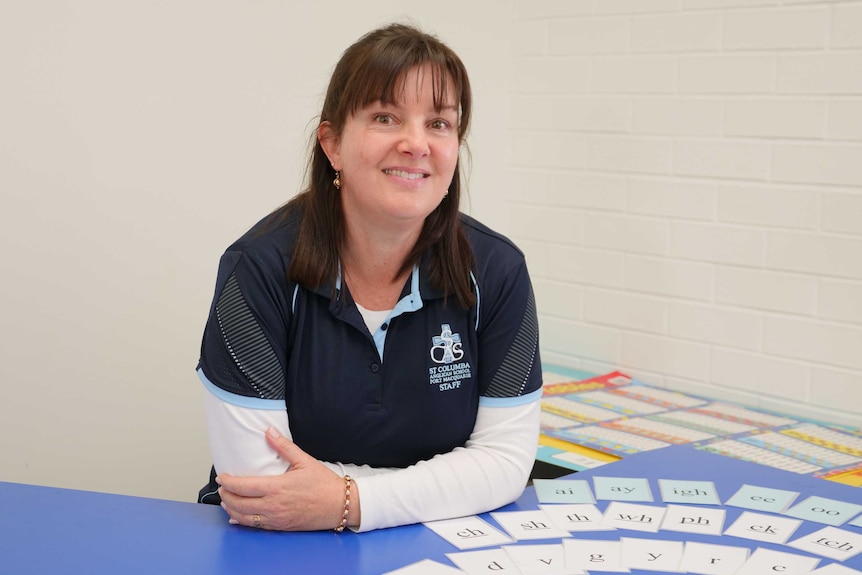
(511, 477)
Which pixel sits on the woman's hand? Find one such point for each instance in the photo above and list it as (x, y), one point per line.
(306, 497)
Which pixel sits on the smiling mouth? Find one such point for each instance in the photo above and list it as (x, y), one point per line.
(407, 175)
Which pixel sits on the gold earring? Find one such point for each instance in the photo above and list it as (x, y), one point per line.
(337, 181)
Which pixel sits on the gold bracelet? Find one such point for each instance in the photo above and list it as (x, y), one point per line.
(347, 481)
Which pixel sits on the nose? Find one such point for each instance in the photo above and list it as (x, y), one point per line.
(414, 140)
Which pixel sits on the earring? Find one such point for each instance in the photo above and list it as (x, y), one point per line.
(337, 181)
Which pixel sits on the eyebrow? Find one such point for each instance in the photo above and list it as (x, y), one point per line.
(452, 108)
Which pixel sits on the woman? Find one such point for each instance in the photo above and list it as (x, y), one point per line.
(385, 345)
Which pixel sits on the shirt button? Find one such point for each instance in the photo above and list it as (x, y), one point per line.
(375, 367)
(384, 326)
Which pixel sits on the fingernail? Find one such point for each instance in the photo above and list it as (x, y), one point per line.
(233, 521)
(217, 480)
(273, 433)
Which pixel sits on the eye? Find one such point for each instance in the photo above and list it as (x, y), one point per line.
(439, 124)
(383, 119)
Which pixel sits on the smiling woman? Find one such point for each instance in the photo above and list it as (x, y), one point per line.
(371, 357)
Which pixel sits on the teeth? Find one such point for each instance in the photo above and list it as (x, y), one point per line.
(403, 174)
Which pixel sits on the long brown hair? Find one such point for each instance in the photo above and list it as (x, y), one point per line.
(374, 69)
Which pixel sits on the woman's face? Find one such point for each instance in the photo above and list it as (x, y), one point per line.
(396, 161)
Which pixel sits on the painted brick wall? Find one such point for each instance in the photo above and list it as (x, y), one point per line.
(686, 180)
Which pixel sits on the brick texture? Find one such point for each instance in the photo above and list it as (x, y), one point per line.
(687, 175)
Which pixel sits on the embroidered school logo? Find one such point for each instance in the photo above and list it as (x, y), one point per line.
(445, 352)
(447, 346)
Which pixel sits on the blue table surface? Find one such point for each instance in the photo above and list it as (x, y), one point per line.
(48, 530)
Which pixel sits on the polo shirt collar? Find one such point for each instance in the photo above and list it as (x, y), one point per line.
(411, 301)
(343, 306)
(419, 288)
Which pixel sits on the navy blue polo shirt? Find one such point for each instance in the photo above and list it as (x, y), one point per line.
(388, 399)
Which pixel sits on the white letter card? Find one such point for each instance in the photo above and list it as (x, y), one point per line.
(621, 515)
(765, 560)
(710, 559)
(468, 532)
(830, 542)
(580, 517)
(652, 554)
(587, 554)
(540, 559)
(767, 528)
(484, 561)
(691, 519)
(524, 525)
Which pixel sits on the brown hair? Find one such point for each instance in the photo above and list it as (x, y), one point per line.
(374, 69)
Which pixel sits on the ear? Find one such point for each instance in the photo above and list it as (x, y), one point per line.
(329, 142)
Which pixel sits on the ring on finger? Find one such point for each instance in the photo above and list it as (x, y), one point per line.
(256, 520)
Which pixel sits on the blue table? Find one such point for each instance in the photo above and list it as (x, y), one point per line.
(52, 531)
(48, 530)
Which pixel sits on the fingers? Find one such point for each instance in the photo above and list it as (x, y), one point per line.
(244, 486)
(239, 504)
(255, 520)
(244, 510)
(287, 449)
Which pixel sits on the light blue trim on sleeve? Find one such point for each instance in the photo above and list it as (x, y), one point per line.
(241, 400)
(510, 401)
(478, 299)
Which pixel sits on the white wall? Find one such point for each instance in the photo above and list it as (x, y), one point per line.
(690, 193)
(137, 140)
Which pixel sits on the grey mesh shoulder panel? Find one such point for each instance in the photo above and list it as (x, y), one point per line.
(510, 379)
(247, 344)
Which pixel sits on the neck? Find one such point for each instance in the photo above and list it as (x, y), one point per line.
(377, 253)
(371, 264)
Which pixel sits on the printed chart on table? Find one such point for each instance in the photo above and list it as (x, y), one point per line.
(587, 423)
